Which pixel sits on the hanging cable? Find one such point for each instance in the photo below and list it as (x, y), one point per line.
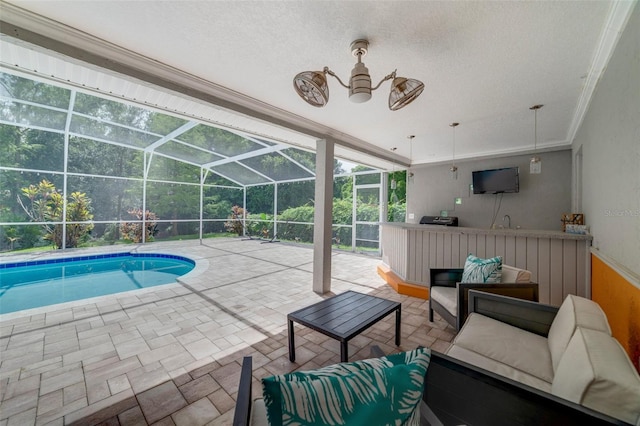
(495, 212)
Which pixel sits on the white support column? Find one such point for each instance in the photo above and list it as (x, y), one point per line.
(323, 219)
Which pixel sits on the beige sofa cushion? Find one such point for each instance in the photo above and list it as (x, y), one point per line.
(574, 312)
(259, 413)
(596, 372)
(508, 345)
(515, 275)
(447, 297)
(494, 366)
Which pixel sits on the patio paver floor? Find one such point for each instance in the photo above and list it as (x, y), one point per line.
(171, 355)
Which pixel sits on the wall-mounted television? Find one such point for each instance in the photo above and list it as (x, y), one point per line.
(496, 181)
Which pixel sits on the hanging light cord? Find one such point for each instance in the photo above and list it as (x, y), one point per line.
(535, 130)
(535, 109)
(453, 156)
(411, 149)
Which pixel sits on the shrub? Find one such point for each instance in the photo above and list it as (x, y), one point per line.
(132, 231)
(46, 205)
(236, 224)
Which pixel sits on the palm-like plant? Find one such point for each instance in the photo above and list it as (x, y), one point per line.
(46, 204)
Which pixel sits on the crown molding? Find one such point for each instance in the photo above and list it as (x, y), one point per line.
(616, 21)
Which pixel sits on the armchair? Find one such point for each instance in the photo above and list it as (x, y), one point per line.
(449, 297)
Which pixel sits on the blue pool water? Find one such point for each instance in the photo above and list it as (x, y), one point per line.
(25, 285)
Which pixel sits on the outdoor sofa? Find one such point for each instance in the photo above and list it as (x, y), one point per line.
(552, 357)
(466, 392)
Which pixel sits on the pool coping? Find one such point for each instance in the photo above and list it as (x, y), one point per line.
(200, 266)
(9, 265)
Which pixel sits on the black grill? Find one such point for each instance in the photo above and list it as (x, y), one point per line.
(439, 220)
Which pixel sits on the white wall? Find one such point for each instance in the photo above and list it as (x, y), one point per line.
(539, 204)
(609, 141)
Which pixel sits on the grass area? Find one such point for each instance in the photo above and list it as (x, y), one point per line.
(32, 250)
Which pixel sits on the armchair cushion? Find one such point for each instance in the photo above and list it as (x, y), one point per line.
(385, 390)
(259, 413)
(477, 270)
(515, 275)
(447, 297)
(596, 372)
(574, 312)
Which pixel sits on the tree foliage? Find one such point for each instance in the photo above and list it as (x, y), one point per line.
(397, 197)
(45, 204)
(105, 171)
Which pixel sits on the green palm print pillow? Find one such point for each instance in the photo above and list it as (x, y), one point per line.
(380, 391)
(477, 270)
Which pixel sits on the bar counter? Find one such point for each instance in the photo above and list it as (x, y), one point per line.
(559, 262)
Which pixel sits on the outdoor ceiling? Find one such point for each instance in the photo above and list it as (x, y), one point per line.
(483, 64)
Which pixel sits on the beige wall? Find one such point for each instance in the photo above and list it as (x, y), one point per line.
(606, 153)
(609, 142)
(539, 204)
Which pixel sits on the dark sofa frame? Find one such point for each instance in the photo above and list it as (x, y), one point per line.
(451, 278)
(459, 393)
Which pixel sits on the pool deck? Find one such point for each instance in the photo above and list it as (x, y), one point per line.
(171, 355)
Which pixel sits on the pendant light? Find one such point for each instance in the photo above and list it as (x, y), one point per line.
(535, 166)
(453, 170)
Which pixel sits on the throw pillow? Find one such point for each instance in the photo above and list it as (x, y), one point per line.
(385, 391)
(477, 270)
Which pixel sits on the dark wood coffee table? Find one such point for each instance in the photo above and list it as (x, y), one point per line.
(343, 317)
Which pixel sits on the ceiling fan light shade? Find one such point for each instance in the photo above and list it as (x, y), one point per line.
(403, 92)
(312, 87)
(360, 84)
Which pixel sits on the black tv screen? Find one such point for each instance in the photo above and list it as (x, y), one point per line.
(496, 181)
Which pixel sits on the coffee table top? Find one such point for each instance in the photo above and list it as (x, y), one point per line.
(345, 315)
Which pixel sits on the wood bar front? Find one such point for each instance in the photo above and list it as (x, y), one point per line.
(559, 262)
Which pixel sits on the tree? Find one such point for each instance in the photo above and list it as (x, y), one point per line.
(46, 205)
(397, 197)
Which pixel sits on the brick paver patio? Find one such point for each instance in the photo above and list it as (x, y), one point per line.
(171, 355)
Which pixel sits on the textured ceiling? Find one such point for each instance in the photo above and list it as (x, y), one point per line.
(483, 63)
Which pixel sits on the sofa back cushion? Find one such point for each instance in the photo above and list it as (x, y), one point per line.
(574, 312)
(596, 372)
(515, 275)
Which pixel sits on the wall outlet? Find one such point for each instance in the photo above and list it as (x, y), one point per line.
(412, 216)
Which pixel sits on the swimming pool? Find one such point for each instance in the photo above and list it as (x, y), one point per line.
(32, 284)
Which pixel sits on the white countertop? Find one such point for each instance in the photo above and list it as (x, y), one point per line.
(534, 233)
